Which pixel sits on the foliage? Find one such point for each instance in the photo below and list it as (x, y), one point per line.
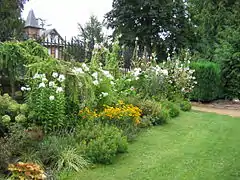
(13, 144)
(227, 54)
(69, 159)
(22, 170)
(91, 34)
(181, 142)
(113, 60)
(124, 116)
(208, 78)
(185, 105)
(210, 20)
(168, 80)
(151, 111)
(46, 99)
(155, 23)
(99, 142)
(11, 111)
(172, 108)
(11, 23)
(12, 60)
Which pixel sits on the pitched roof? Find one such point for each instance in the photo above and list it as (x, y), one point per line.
(50, 31)
(31, 20)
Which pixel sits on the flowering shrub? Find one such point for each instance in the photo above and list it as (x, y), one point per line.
(26, 171)
(46, 100)
(122, 112)
(180, 79)
(125, 116)
(168, 80)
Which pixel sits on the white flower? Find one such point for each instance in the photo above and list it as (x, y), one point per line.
(42, 75)
(36, 76)
(132, 88)
(97, 46)
(186, 69)
(195, 82)
(95, 82)
(51, 98)
(165, 72)
(28, 89)
(59, 89)
(170, 81)
(77, 70)
(23, 88)
(51, 84)
(107, 74)
(104, 94)
(85, 67)
(95, 75)
(61, 78)
(55, 74)
(112, 83)
(136, 72)
(44, 79)
(42, 84)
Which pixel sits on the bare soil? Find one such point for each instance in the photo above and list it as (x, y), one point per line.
(220, 107)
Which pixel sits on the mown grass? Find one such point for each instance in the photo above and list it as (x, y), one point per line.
(194, 146)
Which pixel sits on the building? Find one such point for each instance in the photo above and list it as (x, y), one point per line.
(49, 38)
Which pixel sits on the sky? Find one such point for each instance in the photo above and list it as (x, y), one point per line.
(63, 15)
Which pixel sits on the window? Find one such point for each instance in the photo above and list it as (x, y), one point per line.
(53, 51)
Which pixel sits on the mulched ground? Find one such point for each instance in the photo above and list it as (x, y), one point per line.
(224, 107)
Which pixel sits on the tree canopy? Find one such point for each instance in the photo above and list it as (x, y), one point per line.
(11, 24)
(158, 24)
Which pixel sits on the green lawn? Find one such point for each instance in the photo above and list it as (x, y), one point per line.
(194, 146)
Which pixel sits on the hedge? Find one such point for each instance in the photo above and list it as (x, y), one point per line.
(208, 77)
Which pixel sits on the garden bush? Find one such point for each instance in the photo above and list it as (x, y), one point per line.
(152, 112)
(13, 145)
(208, 77)
(12, 112)
(100, 142)
(172, 108)
(124, 116)
(227, 54)
(184, 105)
